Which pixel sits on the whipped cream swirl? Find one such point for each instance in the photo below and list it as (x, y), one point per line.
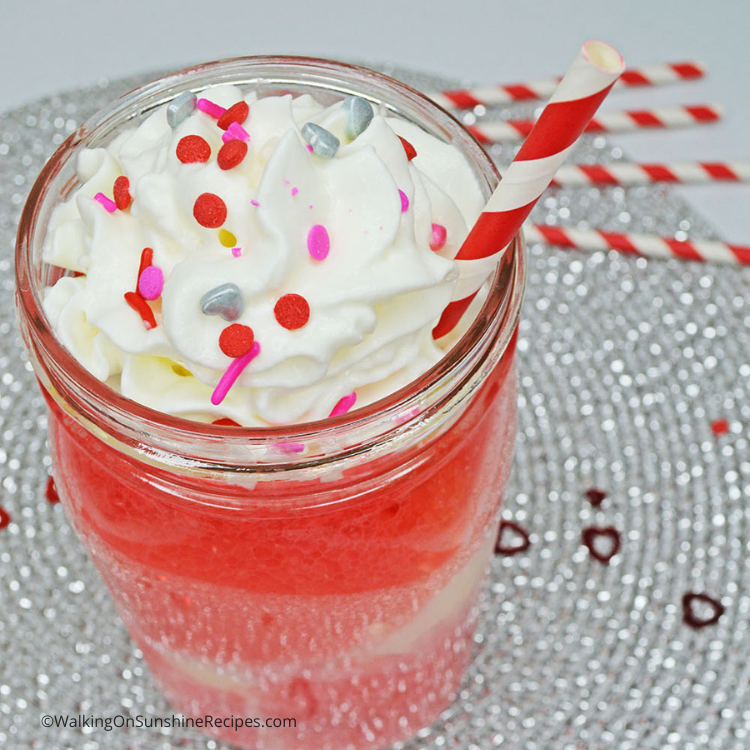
(373, 298)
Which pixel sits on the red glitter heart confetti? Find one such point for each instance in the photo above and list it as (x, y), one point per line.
(692, 606)
(4, 518)
(50, 492)
(121, 193)
(192, 149)
(236, 113)
(292, 311)
(231, 154)
(595, 496)
(411, 152)
(209, 210)
(511, 539)
(603, 542)
(236, 340)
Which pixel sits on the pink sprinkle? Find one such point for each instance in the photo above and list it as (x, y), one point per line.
(151, 282)
(236, 251)
(344, 405)
(210, 108)
(290, 447)
(318, 242)
(295, 191)
(404, 201)
(439, 235)
(110, 205)
(286, 182)
(254, 202)
(227, 136)
(309, 148)
(406, 416)
(232, 373)
(238, 132)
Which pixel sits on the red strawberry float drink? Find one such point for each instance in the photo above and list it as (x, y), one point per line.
(228, 283)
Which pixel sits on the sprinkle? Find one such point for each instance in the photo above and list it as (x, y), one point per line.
(110, 205)
(595, 496)
(147, 258)
(720, 427)
(253, 202)
(511, 539)
(50, 492)
(594, 534)
(231, 154)
(344, 405)
(232, 373)
(236, 340)
(227, 238)
(290, 447)
(439, 235)
(121, 193)
(210, 108)
(323, 142)
(192, 149)
(236, 114)
(318, 242)
(180, 108)
(4, 518)
(151, 282)
(691, 618)
(295, 190)
(141, 307)
(236, 251)
(404, 201)
(209, 210)
(237, 131)
(309, 148)
(359, 114)
(411, 152)
(292, 311)
(226, 422)
(225, 300)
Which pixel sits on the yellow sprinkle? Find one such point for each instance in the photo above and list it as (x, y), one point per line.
(177, 369)
(227, 238)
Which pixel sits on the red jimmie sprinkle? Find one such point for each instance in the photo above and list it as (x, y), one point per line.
(192, 149)
(141, 307)
(411, 152)
(121, 193)
(231, 153)
(236, 340)
(50, 492)
(720, 427)
(210, 210)
(292, 311)
(147, 259)
(4, 518)
(236, 113)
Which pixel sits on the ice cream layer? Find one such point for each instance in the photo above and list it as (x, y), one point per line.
(249, 265)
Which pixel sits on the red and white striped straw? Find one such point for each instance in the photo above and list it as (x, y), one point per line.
(645, 245)
(608, 122)
(649, 75)
(576, 99)
(627, 173)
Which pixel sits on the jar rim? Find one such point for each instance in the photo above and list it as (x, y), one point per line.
(118, 418)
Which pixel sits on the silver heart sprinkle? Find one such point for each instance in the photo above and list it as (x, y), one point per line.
(180, 108)
(224, 300)
(359, 114)
(323, 142)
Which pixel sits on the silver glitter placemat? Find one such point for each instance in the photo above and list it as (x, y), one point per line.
(625, 366)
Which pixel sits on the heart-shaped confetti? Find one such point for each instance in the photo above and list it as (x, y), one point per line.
(511, 539)
(224, 300)
(603, 542)
(700, 610)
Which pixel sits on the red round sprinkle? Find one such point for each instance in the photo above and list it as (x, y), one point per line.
(226, 422)
(292, 311)
(236, 113)
(4, 518)
(720, 427)
(231, 153)
(121, 192)
(193, 149)
(50, 492)
(236, 340)
(210, 210)
(411, 152)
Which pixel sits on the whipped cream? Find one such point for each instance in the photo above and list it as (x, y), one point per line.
(374, 291)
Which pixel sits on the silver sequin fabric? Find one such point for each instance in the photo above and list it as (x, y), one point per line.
(625, 364)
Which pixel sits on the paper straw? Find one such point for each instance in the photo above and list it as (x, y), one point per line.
(581, 91)
(626, 173)
(649, 75)
(645, 245)
(608, 122)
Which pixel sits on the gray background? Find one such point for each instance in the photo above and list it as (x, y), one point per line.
(47, 46)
